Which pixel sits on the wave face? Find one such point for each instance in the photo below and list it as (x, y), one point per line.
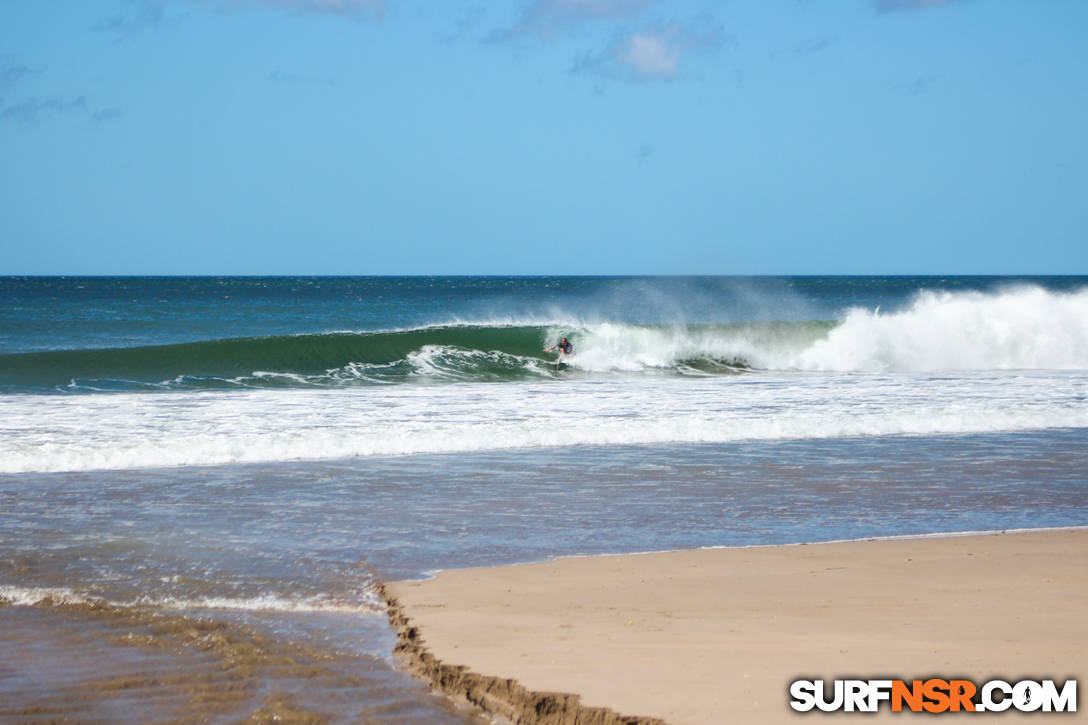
(1023, 328)
(458, 352)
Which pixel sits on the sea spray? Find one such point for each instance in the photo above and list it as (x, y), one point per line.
(1026, 328)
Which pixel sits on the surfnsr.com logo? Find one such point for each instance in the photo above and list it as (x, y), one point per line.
(934, 695)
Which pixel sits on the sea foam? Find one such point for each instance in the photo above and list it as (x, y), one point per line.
(136, 430)
(368, 604)
(1027, 328)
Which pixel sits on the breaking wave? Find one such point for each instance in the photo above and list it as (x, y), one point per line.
(1024, 328)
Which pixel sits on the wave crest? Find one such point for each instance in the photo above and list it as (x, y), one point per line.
(1024, 328)
(1027, 328)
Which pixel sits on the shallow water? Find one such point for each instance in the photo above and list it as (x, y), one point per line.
(251, 587)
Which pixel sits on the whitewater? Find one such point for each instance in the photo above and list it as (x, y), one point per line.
(945, 363)
(127, 430)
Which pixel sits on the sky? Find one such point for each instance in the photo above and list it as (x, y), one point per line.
(543, 137)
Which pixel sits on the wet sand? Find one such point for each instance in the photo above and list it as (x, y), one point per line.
(717, 635)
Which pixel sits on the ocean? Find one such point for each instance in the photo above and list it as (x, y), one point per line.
(203, 479)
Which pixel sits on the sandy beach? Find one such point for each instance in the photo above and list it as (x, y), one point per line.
(717, 635)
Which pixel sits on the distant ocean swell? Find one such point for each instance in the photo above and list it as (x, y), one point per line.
(1025, 328)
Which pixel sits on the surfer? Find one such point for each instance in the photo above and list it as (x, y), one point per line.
(563, 346)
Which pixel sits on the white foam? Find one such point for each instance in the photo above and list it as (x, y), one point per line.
(136, 430)
(263, 603)
(1027, 328)
(455, 363)
(30, 596)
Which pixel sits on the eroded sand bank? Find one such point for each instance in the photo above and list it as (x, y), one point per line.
(717, 635)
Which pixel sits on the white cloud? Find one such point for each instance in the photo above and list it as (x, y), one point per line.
(650, 55)
(654, 53)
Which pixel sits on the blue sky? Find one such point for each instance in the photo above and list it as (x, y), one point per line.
(543, 137)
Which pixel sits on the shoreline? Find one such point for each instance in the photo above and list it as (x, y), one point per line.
(703, 635)
(432, 573)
